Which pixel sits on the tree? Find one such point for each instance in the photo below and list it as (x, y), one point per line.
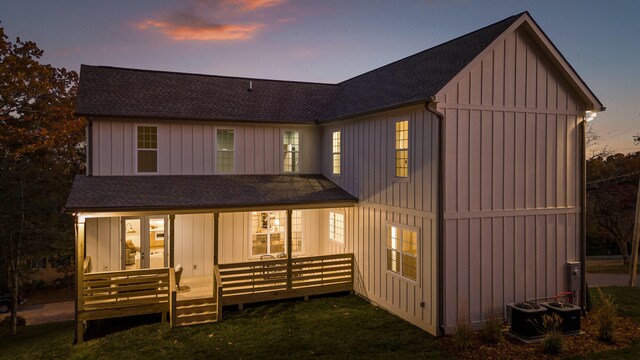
(41, 149)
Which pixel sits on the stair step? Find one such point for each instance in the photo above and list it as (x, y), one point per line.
(191, 302)
(196, 309)
(195, 322)
(204, 313)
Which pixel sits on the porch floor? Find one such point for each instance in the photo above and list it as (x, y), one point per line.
(195, 287)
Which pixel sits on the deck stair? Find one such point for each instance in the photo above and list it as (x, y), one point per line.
(196, 311)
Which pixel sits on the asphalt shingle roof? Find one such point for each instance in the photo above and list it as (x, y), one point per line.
(109, 91)
(113, 193)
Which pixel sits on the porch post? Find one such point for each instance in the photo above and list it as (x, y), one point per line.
(80, 240)
(216, 234)
(172, 243)
(289, 248)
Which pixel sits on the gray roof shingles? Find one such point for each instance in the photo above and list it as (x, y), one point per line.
(118, 92)
(113, 193)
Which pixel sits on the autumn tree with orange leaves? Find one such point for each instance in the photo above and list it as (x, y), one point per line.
(41, 150)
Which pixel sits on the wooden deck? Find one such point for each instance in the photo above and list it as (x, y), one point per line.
(135, 292)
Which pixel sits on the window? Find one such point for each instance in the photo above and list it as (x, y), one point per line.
(402, 252)
(268, 232)
(291, 151)
(402, 149)
(335, 145)
(147, 149)
(38, 263)
(225, 147)
(336, 226)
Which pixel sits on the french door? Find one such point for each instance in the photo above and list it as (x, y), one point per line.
(144, 245)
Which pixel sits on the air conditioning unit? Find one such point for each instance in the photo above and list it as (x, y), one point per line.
(525, 319)
(569, 313)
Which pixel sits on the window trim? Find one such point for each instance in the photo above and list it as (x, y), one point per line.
(340, 152)
(135, 141)
(215, 147)
(283, 152)
(407, 178)
(250, 233)
(418, 280)
(344, 226)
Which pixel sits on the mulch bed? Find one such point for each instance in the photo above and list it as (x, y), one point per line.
(626, 331)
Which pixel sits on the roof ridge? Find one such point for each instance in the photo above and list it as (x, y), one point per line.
(436, 46)
(205, 75)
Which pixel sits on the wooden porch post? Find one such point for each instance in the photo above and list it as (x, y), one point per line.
(216, 234)
(289, 250)
(80, 240)
(172, 243)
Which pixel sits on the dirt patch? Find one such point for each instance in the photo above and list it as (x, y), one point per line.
(626, 331)
(49, 295)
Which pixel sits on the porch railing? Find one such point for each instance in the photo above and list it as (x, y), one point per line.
(124, 293)
(265, 280)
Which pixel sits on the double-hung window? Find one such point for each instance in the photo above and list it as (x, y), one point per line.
(402, 252)
(147, 145)
(225, 148)
(268, 233)
(336, 226)
(335, 148)
(291, 142)
(402, 149)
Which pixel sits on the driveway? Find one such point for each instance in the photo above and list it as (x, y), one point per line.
(602, 280)
(46, 313)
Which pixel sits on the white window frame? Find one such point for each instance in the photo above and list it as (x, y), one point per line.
(399, 275)
(284, 153)
(332, 228)
(333, 153)
(215, 161)
(396, 149)
(157, 149)
(250, 233)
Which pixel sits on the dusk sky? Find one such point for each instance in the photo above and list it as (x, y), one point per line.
(330, 41)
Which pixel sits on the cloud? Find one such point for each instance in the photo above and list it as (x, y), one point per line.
(250, 5)
(184, 26)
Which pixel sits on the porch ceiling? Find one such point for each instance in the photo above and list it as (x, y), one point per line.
(197, 192)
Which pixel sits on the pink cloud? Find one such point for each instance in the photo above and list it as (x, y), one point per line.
(183, 26)
(250, 5)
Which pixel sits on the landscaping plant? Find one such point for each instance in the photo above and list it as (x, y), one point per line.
(552, 342)
(463, 337)
(604, 316)
(492, 332)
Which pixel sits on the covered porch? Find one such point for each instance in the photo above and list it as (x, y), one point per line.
(269, 260)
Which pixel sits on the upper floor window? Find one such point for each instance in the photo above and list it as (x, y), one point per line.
(291, 141)
(336, 226)
(225, 147)
(402, 252)
(147, 149)
(402, 149)
(268, 233)
(335, 146)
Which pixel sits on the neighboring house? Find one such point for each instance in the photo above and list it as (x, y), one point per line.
(440, 187)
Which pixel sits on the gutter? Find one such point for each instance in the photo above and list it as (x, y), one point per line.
(431, 106)
(583, 214)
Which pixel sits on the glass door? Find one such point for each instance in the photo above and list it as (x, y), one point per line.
(144, 245)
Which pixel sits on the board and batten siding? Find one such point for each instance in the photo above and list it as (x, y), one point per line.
(368, 172)
(188, 147)
(511, 182)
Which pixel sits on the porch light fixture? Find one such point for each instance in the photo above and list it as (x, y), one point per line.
(130, 229)
(590, 115)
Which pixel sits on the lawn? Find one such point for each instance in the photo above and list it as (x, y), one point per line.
(608, 266)
(334, 327)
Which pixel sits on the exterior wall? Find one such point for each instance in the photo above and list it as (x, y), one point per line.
(368, 153)
(188, 148)
(511, 182)
(103, 243)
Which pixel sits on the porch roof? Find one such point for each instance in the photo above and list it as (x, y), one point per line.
(193, 192)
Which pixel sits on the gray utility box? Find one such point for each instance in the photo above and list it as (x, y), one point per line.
(574, 277)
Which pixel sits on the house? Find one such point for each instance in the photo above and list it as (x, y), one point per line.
(440, 187)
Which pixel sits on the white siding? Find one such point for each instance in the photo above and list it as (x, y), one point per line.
(511, 182)
(368, 173)
(103, 243)
(188, 148)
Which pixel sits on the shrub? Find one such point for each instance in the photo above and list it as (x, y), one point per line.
(604, 317)
(463, 337)
(492, 332)
(552, 342)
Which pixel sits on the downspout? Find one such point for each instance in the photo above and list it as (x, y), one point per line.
(89, 152)
(432, 107)
(583, 213)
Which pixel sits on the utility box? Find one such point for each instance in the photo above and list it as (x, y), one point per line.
(574, 277)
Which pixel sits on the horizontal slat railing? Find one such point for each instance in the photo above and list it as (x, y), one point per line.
(119, 289)
(264, 280)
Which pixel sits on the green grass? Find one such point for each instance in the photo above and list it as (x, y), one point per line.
(628, 301)
(607, 266)
(336, 327)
